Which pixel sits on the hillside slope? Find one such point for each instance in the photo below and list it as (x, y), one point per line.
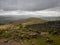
(47, 26)
(30, 21)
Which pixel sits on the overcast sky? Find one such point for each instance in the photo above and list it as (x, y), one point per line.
(27, 7)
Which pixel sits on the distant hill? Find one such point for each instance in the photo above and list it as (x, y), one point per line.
(26, 19)
(32, 20)
(51, 18)
(12, 20)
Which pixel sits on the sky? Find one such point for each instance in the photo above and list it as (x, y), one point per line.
(30, 7)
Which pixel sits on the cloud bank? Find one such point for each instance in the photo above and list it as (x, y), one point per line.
(44, 13)
(45, 8)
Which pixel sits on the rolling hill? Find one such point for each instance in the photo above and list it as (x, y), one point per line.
(32, 20)
(13, 20)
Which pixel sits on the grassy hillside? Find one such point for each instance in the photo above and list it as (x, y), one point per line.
(16, 33)
(47, 26)
(32, 31)
(30, 21)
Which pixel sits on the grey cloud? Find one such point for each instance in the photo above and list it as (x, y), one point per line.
(31, 5)
(54, 9)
